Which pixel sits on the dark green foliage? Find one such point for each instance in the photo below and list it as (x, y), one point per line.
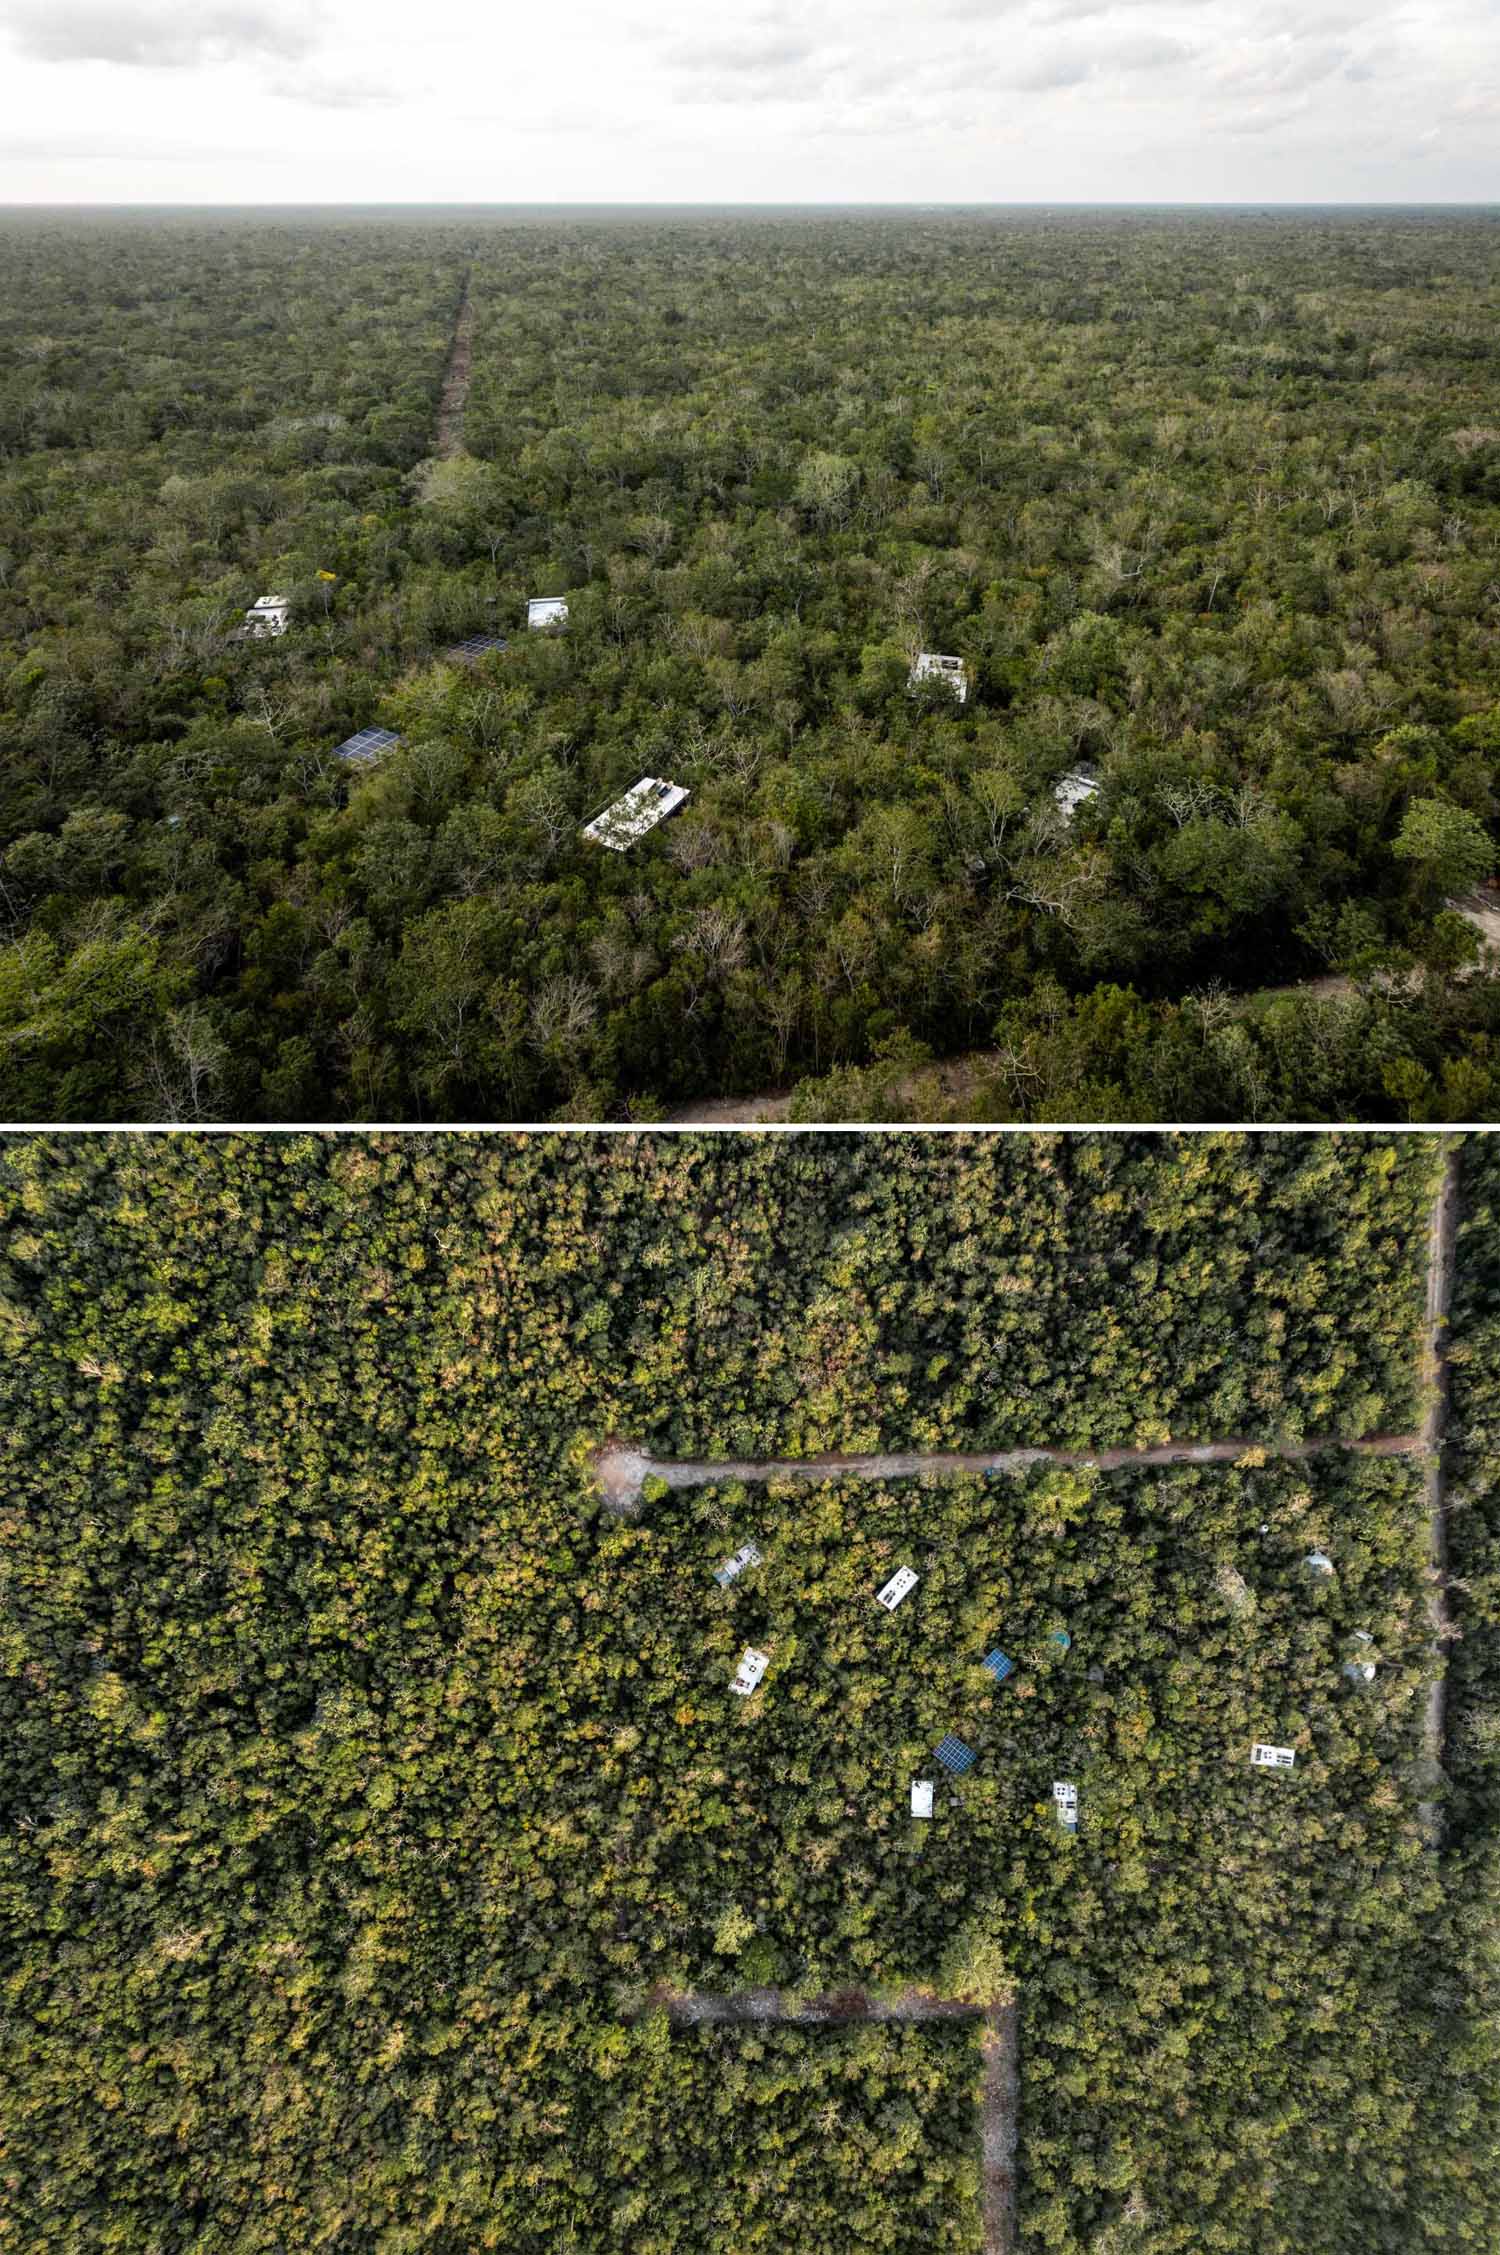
(729, 2140)
(1209, 504)
(363, 1775)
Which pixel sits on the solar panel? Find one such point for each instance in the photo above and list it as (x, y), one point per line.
(954, 1755)
(998, 1665)
(475, 646)
(365, 745)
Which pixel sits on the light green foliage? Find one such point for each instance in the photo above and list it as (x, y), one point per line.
(1449, 850)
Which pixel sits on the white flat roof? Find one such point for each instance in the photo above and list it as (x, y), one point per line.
(747, 1555)
(752, 1667)
(1272, 1757)
(921, 1796)
(934, 665)
(644, 805)
(901, 1584)
(545, 610)
(1073, 788)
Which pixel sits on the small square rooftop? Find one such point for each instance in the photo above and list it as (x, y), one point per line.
(933, 665)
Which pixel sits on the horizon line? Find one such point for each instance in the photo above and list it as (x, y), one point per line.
(625, 203)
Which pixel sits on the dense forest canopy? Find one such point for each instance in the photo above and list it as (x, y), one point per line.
(1208, 504)
(366, 1777)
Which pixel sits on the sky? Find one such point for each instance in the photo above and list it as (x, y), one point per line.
(825, 101)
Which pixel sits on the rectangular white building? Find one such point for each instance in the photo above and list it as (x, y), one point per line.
(644, 805)
(268, 616)
(931, 665)
(751, 1668)
(546, 610)
(901, 1584)
(1065, 1795)
(1272, 1757)
(921, 1796)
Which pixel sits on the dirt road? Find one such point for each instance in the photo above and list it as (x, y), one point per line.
(621, 1470)
(455, 396)
(1442, 1255)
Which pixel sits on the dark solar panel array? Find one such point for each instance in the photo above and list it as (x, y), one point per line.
(475, 645)
(365, 745)
(955, 1756)
(998, 1665)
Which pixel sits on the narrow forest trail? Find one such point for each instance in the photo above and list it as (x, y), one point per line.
(455, 394)
(622, 1471)
(732, 1111)
(1441, 1265)
(999, 2091)
(999, 2122)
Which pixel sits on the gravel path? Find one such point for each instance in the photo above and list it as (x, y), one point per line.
(1440, 1269)
(999, 2115)
(622, 1470)
(455, 395)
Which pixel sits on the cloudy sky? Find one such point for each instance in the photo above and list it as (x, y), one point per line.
(195, 101)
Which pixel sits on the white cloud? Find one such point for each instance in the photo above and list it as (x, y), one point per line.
(154, 34)
(788, 100)
(326, 92)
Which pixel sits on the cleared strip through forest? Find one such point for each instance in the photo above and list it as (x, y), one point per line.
(455, 393)
(622, 1471)
(1442, 1260)
(999, 2086)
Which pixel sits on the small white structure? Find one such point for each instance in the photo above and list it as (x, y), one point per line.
(921, 1796)
(901, 1584)
(268, 616)
(732, 1568)
(644, 805)
(545, 611)
(1272, 1757)
(1065, 1795)
(751, 1668)
(932, 666)
(1318, 1562)
(1072, 789)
